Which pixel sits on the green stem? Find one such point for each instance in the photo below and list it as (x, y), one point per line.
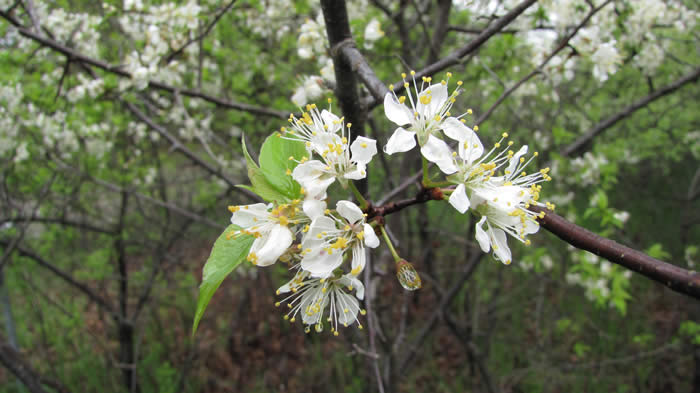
(427, 183)
(426, 178)
(390, 245)
(358, 195)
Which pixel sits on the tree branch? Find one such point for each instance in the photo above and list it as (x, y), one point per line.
(17, 366)
(74, 55)
(335, 14)
(59, 221)
(177, 145)
(578, 146)
(200, 36)
(678, 279)
(65, 277)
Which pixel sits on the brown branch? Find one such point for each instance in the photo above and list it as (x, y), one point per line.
(12, 360)
(676, 278)
(424, 195)
(579, 145)
(335, 15)
(74, 55)
(59, 221)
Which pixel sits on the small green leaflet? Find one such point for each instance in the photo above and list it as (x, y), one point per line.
(225, 256)
(275, 162)
(270, 180)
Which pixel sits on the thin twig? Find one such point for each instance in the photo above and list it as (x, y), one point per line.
(578, 146)
(441, 307)
(562, 44)
(117, 70)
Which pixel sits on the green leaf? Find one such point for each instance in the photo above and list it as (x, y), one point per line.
(275, 163)
(260, 184)
(225, 256)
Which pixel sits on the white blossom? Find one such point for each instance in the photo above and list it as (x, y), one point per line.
(328, 238)
(319, 300)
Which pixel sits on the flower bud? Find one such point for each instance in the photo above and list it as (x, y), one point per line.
(407, 275)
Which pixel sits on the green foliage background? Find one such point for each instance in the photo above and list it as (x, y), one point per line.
(526, 324)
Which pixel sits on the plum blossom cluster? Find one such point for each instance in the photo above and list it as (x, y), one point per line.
(326, 248)
(493, 184)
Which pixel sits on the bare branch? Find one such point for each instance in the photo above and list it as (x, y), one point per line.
(57, 220)
(17, 366)
(74, 55)
(579, 145)
(200, 36)
(676, 278)
(177, 145)
(444, 303)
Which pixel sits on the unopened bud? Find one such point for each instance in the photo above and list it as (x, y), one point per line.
(407, 275)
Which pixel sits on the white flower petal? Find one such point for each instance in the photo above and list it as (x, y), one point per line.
(500, 244)
(456, 130)
(360, 172)
(436, 150)
(438, 97)
(481, 236)
(471, 148)
(318, 226)
(363, 149)
(248, 215)
(358, 259)
(353, 282)
(371, 239)
(459, 199)
(293, 283)
(398, 113)
(314, 208)
(347, 308)
(331, 120)
(400, 141)
(514, 161)
(273, 245)
(308, 171)
(349, 211)
(321, 263)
